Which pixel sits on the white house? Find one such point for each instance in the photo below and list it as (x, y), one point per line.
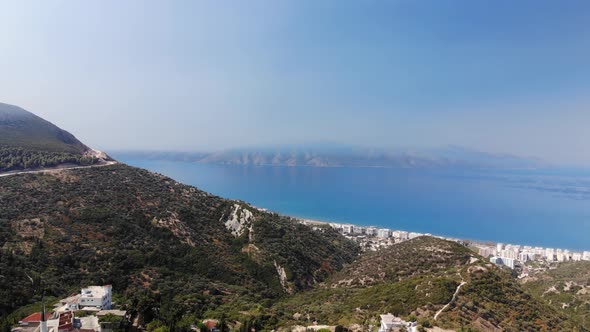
(390, 322)
(97, 297)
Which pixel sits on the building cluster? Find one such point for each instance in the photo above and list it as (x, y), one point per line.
(501, 254)
(510, 254)
(369, 237)
(94, 299)
(371, 231)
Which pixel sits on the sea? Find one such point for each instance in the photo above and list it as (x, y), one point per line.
(546, 208)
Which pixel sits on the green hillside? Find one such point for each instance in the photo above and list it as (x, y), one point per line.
(414, 280)
(566, 287)
(28, 141)
(156, 241)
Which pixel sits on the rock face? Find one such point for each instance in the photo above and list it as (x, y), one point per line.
(239, 220)
(283, 278)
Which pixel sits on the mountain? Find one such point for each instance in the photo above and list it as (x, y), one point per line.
(28, 141)
(346, 156)
(417, 278)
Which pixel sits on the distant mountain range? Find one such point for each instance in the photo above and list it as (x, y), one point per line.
(346, 156)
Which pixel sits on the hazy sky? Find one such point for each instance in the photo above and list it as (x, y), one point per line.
(511, 76)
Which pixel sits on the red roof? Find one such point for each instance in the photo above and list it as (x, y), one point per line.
(33, 318)
(210, 324)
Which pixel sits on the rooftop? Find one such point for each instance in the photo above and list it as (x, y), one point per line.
(35, 317)
(390, 319)
(94, 291)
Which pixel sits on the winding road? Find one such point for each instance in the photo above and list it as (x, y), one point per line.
(463, 282)
(108, 163)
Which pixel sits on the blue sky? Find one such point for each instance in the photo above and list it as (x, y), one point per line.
(500, 76)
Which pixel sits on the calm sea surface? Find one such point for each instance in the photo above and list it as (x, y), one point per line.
(541, 208)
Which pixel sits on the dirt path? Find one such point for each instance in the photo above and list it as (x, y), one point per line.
(463, 282)
(55, 169)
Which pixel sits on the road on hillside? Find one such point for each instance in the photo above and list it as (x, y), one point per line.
(463, 282)
(108, 163)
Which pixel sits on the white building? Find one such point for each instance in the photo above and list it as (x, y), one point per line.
(371, 231)
(550, 254)
(384, 233)
(347, 229)
(97, 297)
(336, 226)
(526, 256)
(586, 256)
(509, 262)
(390, 322)
(358, 230)
(499, 248)
(539, 252)
(509, 253)
(487, 251)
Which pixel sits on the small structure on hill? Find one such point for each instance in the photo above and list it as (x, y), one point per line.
(97, 297)
(390, 323)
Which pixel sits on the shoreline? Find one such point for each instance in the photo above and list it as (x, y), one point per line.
(584, 254)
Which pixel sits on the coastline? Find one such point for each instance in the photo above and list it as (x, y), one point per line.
(487, 248)
(415, 202)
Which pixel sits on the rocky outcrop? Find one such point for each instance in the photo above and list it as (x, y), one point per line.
(239, 220)
(283, 278)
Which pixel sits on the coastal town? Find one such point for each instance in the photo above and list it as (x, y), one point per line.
(522, 257)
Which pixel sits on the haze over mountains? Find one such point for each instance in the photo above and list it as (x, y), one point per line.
(334, 155)
(20, 128)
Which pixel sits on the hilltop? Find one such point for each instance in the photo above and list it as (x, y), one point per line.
(28, 141)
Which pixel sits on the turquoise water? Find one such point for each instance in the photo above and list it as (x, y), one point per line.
(541, 208)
